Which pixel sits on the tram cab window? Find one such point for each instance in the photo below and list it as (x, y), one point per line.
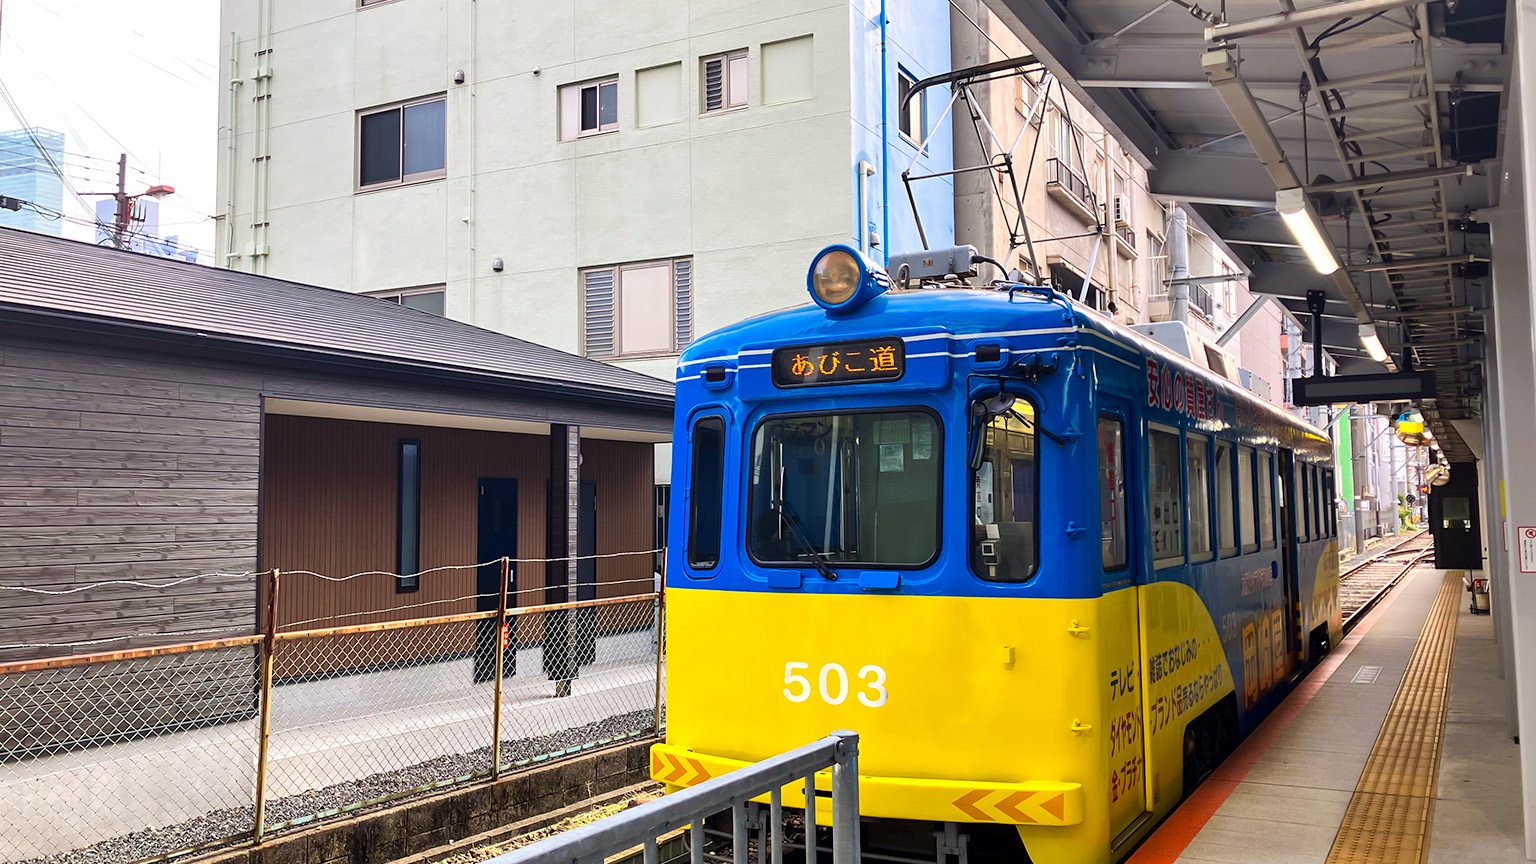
(1164, 486)
(1324, 505)
(1197, 455)
(707, 476)
(849, 488)
(1247, 514)
(1226, 527)
(1266, 500)
(1005, 477)
(1112, 533)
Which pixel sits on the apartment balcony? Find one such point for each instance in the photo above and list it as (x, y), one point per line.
(1072, 190)
(1125, 241)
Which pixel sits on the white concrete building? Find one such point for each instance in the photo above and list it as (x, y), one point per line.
(608, 178)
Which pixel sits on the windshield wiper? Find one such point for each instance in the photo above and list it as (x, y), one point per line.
(801, 541)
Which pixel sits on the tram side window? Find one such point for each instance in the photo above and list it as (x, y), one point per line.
(1325, 501)
(1226, 530)
(1197, 455)
(1004, 545)
(1247, 516)
(1266, 500)
(1112, 492)
(1163, 476)
(706, 493)
(1302, 511)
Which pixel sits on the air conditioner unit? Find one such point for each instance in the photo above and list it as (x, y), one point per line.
(1122, 210)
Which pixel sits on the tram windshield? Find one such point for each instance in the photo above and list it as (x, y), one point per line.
(857, 488)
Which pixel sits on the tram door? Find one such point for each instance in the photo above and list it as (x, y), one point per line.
(1128, 752)
(1290, 530)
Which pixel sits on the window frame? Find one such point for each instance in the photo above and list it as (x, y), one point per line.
(726, 94)
(941, 467)
(918, 104)
(1233, 516)
(579, 86)
(1330, 510)
(971, 555)
(402, 179)
(1265, 459)
(705, 416)
(1306, 497)
(1125, 487)
(619, 353)
(397, 295)
(407, 564)
(1179, 471)
(1252, 525)
(1210, 521)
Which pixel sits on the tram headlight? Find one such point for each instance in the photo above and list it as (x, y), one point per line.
(842, 279)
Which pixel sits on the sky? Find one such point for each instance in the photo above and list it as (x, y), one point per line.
(135, 76)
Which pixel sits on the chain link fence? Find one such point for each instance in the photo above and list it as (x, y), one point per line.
(117, 757)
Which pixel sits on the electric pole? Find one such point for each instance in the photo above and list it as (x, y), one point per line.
(122, 218)
(124, 203)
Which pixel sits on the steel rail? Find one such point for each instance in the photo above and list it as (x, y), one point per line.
(1390, 583)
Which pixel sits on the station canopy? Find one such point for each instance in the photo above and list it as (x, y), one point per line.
(1386, 114)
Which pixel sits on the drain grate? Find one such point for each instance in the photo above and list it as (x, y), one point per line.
(1390, 814)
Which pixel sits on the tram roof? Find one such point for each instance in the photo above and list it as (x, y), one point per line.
(964, 313)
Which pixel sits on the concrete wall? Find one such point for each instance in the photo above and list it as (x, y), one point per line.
(981, 221)
(750, 194)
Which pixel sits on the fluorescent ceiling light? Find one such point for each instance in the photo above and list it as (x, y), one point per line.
(1372, 343)
(1298, 216)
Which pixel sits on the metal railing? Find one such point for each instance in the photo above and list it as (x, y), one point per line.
(641, 826)
(1061, 174)
(125, 755)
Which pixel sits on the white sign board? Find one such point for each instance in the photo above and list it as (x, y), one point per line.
(1527, 534)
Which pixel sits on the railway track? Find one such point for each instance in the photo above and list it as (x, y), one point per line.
(1367, 582)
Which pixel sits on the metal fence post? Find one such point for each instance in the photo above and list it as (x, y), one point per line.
(502, 641)
(268, 649)
(845, 799)
(661, 642)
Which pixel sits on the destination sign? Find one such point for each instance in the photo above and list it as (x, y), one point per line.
(839, 362)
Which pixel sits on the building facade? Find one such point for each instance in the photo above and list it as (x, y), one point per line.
(604, 181)
(30, 161)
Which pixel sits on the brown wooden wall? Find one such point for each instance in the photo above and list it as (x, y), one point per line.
(331, 504)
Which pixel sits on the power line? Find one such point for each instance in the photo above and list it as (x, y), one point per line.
(5, 92)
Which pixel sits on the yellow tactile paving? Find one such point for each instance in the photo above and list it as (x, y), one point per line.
(1389, 817)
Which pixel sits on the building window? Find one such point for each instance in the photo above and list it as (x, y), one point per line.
(1157, 266)
(911, 119)
(425, 299)
(638, 309)
(589, 108)
(706, 492)
(1064, 142)
(725, 81)
(403, 143)
(408, 550)
(1166, 487)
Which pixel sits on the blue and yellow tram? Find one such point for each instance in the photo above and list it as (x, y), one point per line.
(1049, 569)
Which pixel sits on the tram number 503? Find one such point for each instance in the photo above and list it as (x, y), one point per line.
(832, 682)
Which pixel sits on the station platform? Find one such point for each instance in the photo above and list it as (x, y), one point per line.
(1395, 749)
